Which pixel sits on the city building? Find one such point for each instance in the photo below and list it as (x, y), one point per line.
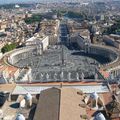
(50, 28)
(55, 103)
(39, 40)
(64, 67)
(113, 40)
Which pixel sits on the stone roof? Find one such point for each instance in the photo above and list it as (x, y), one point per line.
(48, 105)
(60, 104)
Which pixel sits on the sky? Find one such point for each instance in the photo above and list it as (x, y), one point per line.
(13, 1)
(26, 1)
(20, 1)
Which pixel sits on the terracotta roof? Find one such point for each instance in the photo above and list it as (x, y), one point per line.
(104, 73)
(2, 68)
(107, 97)
(65, 83)
(114, 109)
(12, 70)
(7, 87)
(69, 105)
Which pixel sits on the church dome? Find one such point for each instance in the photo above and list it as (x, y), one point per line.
(28, 96)
(94, 96)
(100, 116)
(20, 117)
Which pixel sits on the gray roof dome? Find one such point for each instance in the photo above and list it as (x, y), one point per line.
(28, 96)
(100, 116)
(20, 117)
(94, 95)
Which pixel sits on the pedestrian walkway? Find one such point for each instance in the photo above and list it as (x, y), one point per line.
(36, 89)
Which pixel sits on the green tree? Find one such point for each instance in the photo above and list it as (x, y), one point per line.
(33, 19)
(8, 47)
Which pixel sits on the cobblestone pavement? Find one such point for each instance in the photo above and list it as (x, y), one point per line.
(49, 65)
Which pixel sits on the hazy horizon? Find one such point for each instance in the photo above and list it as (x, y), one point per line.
(28, 1)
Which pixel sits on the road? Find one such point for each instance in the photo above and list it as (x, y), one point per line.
(48, 67)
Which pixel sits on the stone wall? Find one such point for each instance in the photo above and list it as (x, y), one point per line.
(21, 53)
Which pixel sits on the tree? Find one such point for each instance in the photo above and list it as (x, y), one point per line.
(33, 19)
(8, 47)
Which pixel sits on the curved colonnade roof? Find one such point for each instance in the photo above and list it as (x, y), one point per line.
(114, 63)
(4, 60)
